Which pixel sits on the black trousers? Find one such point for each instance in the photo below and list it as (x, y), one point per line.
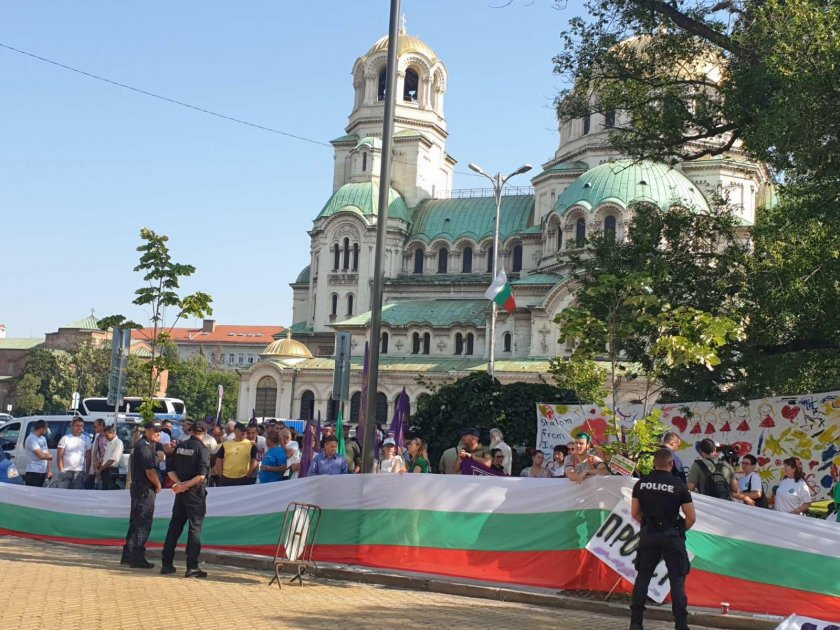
(666, 545)
(189, 506)
(34, 479)
(109, 478)
(139, 524)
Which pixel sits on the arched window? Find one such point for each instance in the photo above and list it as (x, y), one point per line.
(490, 267)
(443, 259)
(470, 341)
(517, 258)
(381, 408)
(559, 238)
(380, 92)
(587, 122)
(336, 257)
(609, 227)
(507, 341)
(411, 84)
(580, 232)
(364, 161)
(459, 343)
(355, 256)
(427, 342)
(266, 403)
(355, 403)
(418, 260)
(334, 304)
(609, 118)
(466, 260)
(346, 254)
(384, 349)
(350, 304)
(415, 343)
(307, 405)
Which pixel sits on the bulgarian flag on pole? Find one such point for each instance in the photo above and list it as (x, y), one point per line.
(501, 292)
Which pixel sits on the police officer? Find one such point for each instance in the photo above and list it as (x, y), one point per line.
(145, 484)
(657, 500)
(188, 468)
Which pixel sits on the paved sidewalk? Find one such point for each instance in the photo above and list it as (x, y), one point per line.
(68, 587)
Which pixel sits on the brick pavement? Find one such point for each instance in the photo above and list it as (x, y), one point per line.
(72, 587)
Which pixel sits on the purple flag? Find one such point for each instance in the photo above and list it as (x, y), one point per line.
(360, 428)
(398, 424)
(472, 467)
(318, 434)
(309, 443)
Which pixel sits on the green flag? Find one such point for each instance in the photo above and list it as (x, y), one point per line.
(339, 431)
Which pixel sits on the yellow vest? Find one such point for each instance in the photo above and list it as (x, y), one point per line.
(237, 459)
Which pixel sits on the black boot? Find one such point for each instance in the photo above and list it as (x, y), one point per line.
(681, 624)
(139, 560)
(126, 557)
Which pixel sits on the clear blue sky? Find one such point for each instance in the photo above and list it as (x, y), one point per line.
(84, 165)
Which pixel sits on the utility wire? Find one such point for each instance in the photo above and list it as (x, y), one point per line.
(187, 105)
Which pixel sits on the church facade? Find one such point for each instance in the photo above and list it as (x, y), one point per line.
(439, 247)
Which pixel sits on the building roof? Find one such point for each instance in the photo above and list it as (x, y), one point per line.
(566, 167)
(539, 278)
(87, 323)
(223, 334)
(363, 198)
(286, 348)
(345, 139)
(405, 44)
(440, 278)
(20, 343)
(425, 363)
(628, 181)
(473, 218)
(303, 276)
(431, 312)
(301, 328)
(370, 141)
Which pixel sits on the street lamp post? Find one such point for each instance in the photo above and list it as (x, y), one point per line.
(498, 184)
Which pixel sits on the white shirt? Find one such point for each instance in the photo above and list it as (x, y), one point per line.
(165, 440)
(294, 459)
(750, 483)
(391, 465)
(74, 451)
(791, 494)
(113, 452)
(210, 442)
(34, 443)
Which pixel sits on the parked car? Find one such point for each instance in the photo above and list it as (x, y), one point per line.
(5, 417)
(13, 435)
(8, 471)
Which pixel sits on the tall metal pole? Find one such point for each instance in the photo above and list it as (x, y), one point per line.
(381, 231)
(498, 184)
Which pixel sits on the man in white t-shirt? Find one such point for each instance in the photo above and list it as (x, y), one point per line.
(73, 457)
(168, 446)
(109, 470)
(38, 467)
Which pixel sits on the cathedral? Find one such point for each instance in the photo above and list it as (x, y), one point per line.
(439, 247)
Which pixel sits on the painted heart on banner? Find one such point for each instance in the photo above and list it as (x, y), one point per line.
(813, 464)
(790, 413)
(763, 461)
(681, 422)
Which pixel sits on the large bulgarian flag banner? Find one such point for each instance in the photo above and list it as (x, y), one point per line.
(531, 532)
(501, 293)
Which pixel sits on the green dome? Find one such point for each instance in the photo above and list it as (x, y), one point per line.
(303, 276)
(370, 141)
(626, 181)
(363, 198)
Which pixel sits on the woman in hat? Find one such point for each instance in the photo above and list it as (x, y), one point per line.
(389, 462)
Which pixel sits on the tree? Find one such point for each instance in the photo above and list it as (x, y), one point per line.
(584, 378)
(27, 398)
(481, 401)
(196, 383)
(163, 278)
(89, 364)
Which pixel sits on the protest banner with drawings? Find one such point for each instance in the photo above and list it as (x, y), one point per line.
(616, 544)
(798, 622)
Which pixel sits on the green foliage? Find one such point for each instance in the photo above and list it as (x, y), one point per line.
(479, 401)
(27, 398)
(638, 443)
(196, 383)
(160, 297)
(582, 377)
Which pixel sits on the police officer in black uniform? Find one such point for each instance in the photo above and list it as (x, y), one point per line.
(657, 500)
(188, 468)
(145, 484)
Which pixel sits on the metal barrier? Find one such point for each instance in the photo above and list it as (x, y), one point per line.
(297, 541)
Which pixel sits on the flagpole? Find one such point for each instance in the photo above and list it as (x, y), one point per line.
(498, 184)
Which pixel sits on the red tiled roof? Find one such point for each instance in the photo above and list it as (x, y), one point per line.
(223, 334)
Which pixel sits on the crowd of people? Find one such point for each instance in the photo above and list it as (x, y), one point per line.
(244, 454)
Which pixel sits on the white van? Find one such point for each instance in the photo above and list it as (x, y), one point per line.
(13, 435)
(164, 408)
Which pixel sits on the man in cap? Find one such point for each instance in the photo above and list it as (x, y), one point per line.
(188, 469)
(473, 448)
(145, 484)
(236, 460)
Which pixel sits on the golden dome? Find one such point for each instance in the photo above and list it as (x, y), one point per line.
(407, 44)
(286, 348)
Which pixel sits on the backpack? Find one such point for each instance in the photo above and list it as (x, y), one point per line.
(715, 483)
